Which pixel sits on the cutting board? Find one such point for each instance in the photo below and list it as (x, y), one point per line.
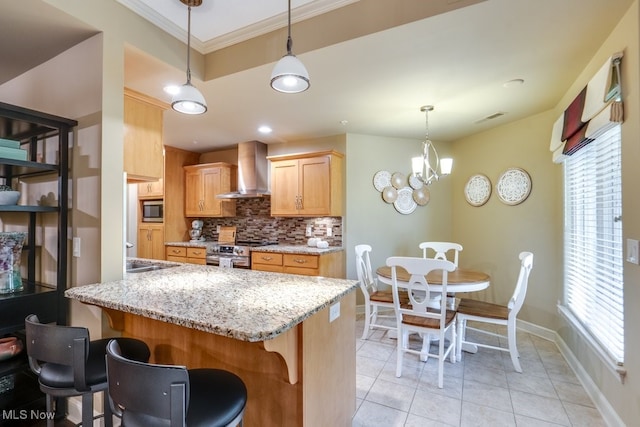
(227, 236)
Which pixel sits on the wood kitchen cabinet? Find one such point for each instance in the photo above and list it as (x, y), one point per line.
(328, 265)
(307, 184)
(191, 255)
(151, 190)
(151, 241)
(202, 183)
(143, 155)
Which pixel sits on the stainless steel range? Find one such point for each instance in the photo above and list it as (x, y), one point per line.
(238, 254)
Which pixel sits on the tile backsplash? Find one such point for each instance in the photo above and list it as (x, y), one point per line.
(254, 223)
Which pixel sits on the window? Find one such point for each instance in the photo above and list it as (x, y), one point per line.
(593, 279)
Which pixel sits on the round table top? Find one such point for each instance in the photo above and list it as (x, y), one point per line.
(457, 279)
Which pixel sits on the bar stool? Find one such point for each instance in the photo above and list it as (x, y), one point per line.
(68, 364)
(149, 395)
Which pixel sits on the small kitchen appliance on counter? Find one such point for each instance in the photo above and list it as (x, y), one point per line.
(196, 231)
(227, 252)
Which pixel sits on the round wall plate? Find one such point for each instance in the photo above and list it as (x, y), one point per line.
(514, 186)
(477, 190)
(381, 180)
(398, 180)
(405, 203)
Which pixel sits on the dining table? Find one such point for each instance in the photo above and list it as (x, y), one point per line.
(458, 280)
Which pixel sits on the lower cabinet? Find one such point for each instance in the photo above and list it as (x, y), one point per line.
(328, 265)
(151, 241)
(186, 254)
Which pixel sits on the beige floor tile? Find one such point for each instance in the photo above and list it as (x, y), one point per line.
(487, 395)
(374, 415)
(583, 416)
(542, 408)
(435, 407)
(390, 394)
(481, 416)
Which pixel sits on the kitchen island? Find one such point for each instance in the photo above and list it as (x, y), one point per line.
(290, 338)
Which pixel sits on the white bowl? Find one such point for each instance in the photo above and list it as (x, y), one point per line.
(9, 197)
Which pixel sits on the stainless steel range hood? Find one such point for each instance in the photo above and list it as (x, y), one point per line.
(253, 169)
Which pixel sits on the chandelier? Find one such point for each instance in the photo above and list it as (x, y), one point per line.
(422, 166)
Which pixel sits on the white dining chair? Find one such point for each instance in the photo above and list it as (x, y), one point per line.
(419, 316)
(378, 304)
(440, 250)
(496, 314)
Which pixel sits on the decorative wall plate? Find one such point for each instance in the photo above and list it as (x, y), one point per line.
(477, 190)
(389, 194)
(421, 196)
(405, 203)
(398, 180)
(514, 186)
(415, 182)
(381, 180)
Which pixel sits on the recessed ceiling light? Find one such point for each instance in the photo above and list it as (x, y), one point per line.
(265, 129)
(172, 89)
(344, 122)
(513, 83)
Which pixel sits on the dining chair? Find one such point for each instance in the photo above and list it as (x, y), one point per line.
(418, 316)
(68, 364)
(486, 312)
(440, 250)
(378, 304)
(152, 395)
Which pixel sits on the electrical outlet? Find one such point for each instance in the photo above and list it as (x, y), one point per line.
(329, 231)
(309, 231)
(76, 247)
(334, 312)
(633, 249)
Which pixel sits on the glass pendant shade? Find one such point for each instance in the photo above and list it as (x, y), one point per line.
(189, 100)
(290, 75)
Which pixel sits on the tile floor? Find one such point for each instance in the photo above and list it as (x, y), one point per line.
(481, 390)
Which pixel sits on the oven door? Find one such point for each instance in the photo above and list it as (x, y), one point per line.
(236, 261)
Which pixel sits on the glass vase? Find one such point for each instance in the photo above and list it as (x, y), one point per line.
(10, 254)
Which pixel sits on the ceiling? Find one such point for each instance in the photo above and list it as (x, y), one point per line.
(459, 61)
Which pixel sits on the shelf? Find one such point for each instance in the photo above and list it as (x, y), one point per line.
(23, 208)
(18, 168)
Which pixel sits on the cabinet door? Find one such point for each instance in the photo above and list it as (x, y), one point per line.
(211, 185)
(151, 241)
(284, 187)
(314, 186)
(143, 158)
(151, 190)
(193, 201)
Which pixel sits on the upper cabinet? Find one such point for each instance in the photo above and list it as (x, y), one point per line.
(202, 183)
(151, 189)
(307, 184)
(143, 158)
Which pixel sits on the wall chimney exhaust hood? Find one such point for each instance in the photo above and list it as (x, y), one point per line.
(253, 169)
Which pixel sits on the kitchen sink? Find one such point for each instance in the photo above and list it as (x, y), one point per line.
(141, 267)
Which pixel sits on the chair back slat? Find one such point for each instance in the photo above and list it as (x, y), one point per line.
(440, 250)
(367, 281)
(520, 291)
(421, 295)
(152, 392)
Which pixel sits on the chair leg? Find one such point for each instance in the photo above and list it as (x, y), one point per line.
(403, 339)
(513, 347)
(454, 342)
(462, 324)
(367, 320)
(108, 415)
(50, 409)
(426, 345)
(87, 410)
(441, 361)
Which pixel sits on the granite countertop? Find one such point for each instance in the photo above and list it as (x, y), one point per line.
(188, 244)
(243, 304)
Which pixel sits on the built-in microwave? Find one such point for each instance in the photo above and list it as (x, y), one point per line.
(152, 211)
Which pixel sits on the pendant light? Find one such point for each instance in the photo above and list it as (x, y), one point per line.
(189, 100)
(289, 75)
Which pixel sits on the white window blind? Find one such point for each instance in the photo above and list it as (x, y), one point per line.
(593, 280)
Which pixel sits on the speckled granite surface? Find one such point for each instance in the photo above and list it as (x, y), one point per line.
(243, 304)
(296, 249)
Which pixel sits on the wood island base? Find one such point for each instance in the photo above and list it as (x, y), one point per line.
(303, 377)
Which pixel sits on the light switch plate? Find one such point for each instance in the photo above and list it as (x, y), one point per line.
(76, 247)
(633, 251)
(334, 312)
